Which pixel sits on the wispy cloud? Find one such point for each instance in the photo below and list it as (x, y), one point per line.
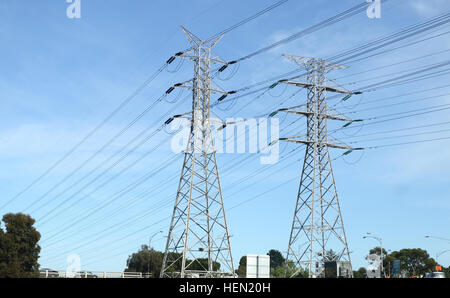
(428, 8)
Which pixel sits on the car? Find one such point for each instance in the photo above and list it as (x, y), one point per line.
(435, 275)
(85, 274)
(48, 273)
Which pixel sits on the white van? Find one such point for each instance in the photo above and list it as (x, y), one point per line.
(435, 275)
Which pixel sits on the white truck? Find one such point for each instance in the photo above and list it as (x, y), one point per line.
(435, 275)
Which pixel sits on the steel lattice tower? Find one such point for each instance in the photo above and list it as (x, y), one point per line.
(317, 225)
(198, 237)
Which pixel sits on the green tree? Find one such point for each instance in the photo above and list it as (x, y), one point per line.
(201, 264)
(19, 251)
(330, 256)
(276, 258)
(377, 251)
(293, 271)
(388, 265)
(361, 273)
(278, 268)
(146, 261)
(414, 261)
(150, 261)
(242, 270)
(176, 259)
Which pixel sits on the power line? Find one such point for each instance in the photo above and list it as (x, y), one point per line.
(393, 64)
(119, 195)
(227, 169)
(94, 155)
(145, 140)
(399, 47)
(330, 21)
(390, 119)
(129, 203)
(171, 60)
(294, 178)
(259, 196)
(404, 94)
(408, 81)
(407, 143)
(135, 218)
(77, 220)
(400, 129)
(101, 174)
(391, 39)
(261, 89)
(399, 103)
(396, 37)
(123, 104)
(90, 134)
(401, 136)
(251, 18)
(431, 66)
(422, 26)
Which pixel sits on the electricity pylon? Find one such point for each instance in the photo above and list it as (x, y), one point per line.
(317, 226)
(198, 239)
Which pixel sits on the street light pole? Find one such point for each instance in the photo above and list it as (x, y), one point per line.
(442, 239)
(149, 247)
(440, 254)
(369, 235)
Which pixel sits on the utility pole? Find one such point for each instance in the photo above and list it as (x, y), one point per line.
(442, 239)
(369, 235)
(149, 249)
(317, 225)
(440, 254)
(198, 235)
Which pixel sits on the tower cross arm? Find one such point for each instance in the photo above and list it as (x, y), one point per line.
(190, 54)
(189, 85)
(327, 88)
(327, 116)
(306, 142)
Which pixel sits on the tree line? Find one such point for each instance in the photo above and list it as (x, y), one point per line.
(414, 262)
(19, 255)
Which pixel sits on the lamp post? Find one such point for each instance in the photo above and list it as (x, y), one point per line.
(369, 235)
(442, 239)
(149, 247)
(440, 254)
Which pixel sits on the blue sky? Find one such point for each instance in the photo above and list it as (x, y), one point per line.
(60, 77)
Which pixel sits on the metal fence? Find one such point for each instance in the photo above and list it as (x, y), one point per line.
(90, 274)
